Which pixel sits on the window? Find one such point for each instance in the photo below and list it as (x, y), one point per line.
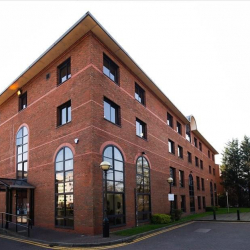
(111, 111)
(143, 189)
(204, 202)
(208, 153)
(22, 153)
(200, 146)
(170, 120)
(191, 193)
(213, 157)
(64, 71)
(23, 101)
(171, 147)
(139, 94)
(201, 164)
(180, 152)
(211, 194)
(64, 113)
(141, 129)
(173, 175)
(181, 178)
(175, 202)
(189, 157)
(195, 142)
(64, 197)
(213, 171)
(110, 69)
(198, 182)
(115, 186)
(188, 133)
(199, 202)
(178, 128)
(183, 203)
(210, 170)
(196, 161)
(202, 184)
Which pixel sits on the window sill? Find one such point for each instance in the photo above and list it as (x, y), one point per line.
(171, 153)
(181, 158)
(19, 111)
(59, 84)
(118, 125)
(59, 126)
(144, 105)
(142, 138)
(116, 83)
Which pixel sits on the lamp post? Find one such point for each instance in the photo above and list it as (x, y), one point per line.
(170, 181)
(105, 166)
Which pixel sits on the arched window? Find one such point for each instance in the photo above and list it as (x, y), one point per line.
(191, 193)
(143, 189)
(64, 198)
(115, 186)
(212, 193)
(22, 153)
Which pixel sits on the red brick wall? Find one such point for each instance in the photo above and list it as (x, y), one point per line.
(86, 89)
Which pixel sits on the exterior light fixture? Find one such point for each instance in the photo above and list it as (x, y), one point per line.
(105, 166)
(19, 92)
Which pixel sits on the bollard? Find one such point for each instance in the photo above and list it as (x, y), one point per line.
(238, 214)
(214, 214)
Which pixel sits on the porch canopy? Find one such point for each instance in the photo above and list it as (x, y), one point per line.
(13, 184)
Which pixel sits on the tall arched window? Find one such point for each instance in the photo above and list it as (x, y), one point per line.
(115, 186)
(191, 193)
(143, 189)
(211, 193)
(64, 198)
(22, 153)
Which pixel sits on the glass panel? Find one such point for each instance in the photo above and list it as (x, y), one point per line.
(60, 222)
(59, 166)
(118, 176)
(140, 203)
(110, 204)
(59, 177)
(69, 176)
(119, 187)
(118, 165)
(146, 172)
(139, 165)
(60, 188)
(106, 110)
(139, 188)
(112, 115)
(137, 128)
(63, 74)
(118, 204)
(25, 148)
(60, 205)
(110, 175)
(25, 166)
(19, 150)
(110, 186)
(20, 167)
(146, 189)
(146, 202)
(69, 187)
(145, 163)
(118, 155)
(19, 134)
(146, 181)
(19, 141)
(69, 114)
(108, 152)
(112, 74)
(25, 140)
(25, 131)
(68, 154)
(19, 158)
(69, 222)
(59, 156)
(25, 156)
(139, 179)
(63, 116)
(19, 174)
(68, 165)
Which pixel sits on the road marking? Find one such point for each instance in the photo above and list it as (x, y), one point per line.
(47, 246)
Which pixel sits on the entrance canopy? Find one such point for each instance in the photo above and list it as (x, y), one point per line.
(14, 184)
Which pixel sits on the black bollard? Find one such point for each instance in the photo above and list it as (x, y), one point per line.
(214, 214)
(238, 214)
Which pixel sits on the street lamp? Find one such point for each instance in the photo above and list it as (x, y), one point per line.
(170, 181)
(105, 166)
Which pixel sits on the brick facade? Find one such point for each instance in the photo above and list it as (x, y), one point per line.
(86, 89)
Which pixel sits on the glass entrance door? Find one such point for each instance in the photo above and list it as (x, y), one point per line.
(21, 206)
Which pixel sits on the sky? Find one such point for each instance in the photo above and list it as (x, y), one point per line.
(196, 52)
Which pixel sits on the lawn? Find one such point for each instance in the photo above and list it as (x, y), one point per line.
(149, 227)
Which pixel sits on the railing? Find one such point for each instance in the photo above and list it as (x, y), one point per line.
(6, 219)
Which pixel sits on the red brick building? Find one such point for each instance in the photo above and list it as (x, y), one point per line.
(84, 101)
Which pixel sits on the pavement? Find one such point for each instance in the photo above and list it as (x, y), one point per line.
(68, 239)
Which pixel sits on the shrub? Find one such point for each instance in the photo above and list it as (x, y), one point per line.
(211, 209)
(177, 214)
(161, 219)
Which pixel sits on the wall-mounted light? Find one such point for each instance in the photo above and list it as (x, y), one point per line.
(19, 92)
(143, 153)
(76, 141)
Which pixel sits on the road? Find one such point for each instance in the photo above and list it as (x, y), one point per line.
(195, 236)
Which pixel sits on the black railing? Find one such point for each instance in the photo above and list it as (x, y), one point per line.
(19, 221)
